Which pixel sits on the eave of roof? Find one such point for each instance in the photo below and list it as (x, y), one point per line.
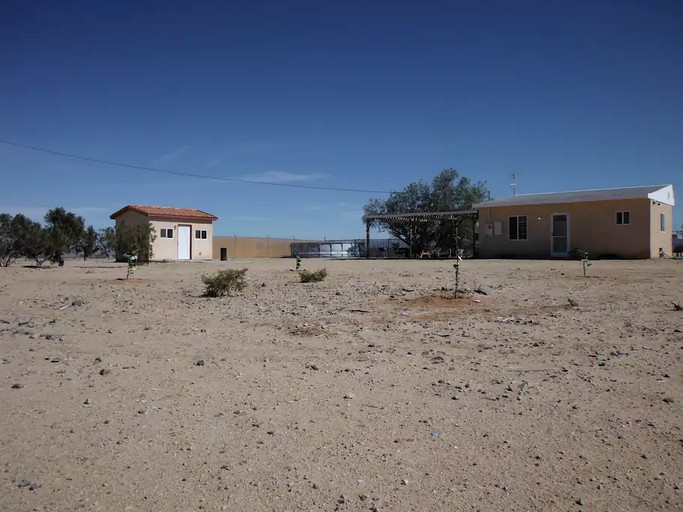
(166, 212)
(661, 193)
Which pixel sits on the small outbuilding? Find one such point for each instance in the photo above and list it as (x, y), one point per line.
(633, 222)
(181, 233)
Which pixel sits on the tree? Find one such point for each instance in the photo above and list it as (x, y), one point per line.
(28, 239)
(22, 237)
(106, 240)
(64, 233)
(37, 244)
(89, 242)
(8, 253)
(10, 249)
(134, 239)
(448, 192)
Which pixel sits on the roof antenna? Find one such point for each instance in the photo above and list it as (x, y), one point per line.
(514, 184)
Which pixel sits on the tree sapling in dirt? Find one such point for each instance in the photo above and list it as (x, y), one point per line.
(132, 259)
(585, 261)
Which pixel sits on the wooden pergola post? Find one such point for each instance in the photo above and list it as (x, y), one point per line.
(475, 237)
(367, 239)
(410, 239)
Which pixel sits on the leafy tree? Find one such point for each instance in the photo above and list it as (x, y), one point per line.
(64, 233)
(29, 239)
(21, 237)
(448, 192)
(10, 249)
(89, 242)
(134, 239)
(106, 241)
(8, 252)
(38, 245)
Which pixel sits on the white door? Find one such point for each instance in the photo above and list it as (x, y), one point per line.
(560, 235)
(184, 242)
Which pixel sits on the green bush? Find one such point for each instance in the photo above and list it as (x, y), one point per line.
(224, 282)
(125, 239)
(313, 277)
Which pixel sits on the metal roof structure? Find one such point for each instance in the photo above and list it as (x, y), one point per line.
(662, 193)
(416, 216)
(422, 215)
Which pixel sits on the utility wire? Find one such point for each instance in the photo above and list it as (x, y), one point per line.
(184, 173)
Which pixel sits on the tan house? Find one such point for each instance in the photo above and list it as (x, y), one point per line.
(633, 222)
(181, 233)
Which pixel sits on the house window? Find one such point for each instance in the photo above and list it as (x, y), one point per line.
(200, 234)
(662, 222)
(518, 227)
(623, 217)
(166, 233)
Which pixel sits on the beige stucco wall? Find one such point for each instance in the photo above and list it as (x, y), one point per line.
(658, 237)
(167, 248)
(242, 247)
(202, 249)
(592, 227)
(131, 218)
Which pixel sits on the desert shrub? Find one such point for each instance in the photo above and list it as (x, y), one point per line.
(313, 277)
(224, 282)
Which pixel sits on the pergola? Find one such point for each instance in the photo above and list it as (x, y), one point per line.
(417, 217)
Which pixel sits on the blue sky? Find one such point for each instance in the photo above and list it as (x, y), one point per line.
(352, 94)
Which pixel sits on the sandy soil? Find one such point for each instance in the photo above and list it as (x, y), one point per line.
(373, 390)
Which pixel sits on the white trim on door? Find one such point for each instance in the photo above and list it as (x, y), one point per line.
(552, 237)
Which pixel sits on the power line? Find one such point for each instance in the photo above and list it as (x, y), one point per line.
(184, 173)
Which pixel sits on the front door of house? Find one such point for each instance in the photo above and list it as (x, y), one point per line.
(184, 242)
(560, 235)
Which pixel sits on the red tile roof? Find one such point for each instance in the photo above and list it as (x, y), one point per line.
(165, 212)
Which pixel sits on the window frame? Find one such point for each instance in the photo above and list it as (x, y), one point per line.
(201, 234)
(517, 225)
(662, 222)
(623, 214)
(164, 233)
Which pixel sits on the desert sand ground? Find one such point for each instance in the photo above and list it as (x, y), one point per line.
(373, 390)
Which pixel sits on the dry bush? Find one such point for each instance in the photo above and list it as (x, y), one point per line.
(313, 277)
(224, 282)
